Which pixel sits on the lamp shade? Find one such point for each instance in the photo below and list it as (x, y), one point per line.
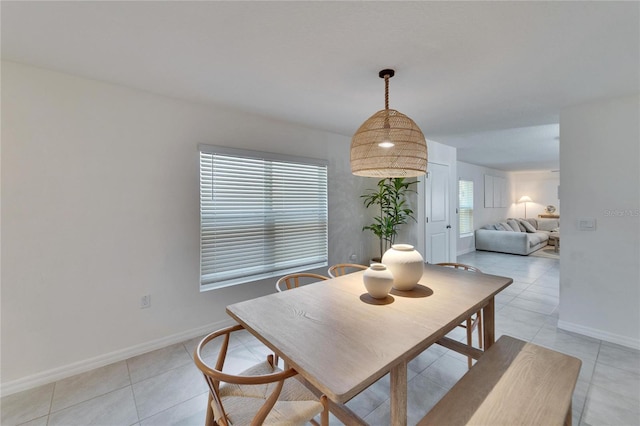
(388, 144)
(525, 199)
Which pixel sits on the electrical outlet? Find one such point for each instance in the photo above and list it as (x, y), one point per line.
(353, 257)
(145, 301)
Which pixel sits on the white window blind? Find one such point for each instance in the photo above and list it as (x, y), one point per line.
(465, 210)
(261, 215)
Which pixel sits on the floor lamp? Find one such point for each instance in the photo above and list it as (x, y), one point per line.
(525, 199)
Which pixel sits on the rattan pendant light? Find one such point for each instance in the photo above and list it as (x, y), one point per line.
(388, 144)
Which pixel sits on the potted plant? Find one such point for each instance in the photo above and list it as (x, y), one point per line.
(390, 197)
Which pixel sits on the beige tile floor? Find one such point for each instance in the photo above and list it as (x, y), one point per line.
(164, 388)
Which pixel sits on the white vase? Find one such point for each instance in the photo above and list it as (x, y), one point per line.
(378, 280)
(406, 265)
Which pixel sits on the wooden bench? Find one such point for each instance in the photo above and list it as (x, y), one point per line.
(513, 383)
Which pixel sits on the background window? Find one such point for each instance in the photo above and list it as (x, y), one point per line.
(465, 210)
(261, 215)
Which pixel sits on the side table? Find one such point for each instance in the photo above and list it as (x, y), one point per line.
(555, 237)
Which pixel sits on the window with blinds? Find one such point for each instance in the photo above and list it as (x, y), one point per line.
(261, 215)
(465, 208)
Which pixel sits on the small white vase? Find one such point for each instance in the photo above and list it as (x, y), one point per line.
(406, 265)
(378, 280)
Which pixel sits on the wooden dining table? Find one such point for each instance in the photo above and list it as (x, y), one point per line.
(341, 340)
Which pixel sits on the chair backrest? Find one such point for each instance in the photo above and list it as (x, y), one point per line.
(293, 280)
(345, 268)
(215, 375)
(459, 266)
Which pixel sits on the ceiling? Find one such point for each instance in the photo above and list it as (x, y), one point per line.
(487, 77)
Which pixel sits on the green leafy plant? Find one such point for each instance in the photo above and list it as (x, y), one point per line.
(390, 197)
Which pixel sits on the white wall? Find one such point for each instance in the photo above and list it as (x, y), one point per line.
(100, 206)
(540, 186)
(600, 270)
(482, 215)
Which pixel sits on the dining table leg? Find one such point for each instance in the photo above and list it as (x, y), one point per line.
(398, 394)
(489, 324)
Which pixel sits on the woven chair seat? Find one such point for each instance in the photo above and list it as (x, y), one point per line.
(295, 405)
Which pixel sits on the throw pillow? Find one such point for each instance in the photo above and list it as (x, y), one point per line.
(505, 226)
(527, 226)
(515, 225)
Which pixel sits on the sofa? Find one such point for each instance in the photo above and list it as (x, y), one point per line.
(516, 236)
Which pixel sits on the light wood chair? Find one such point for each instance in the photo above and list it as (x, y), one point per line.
(293, 280)
(474, 322)
(344, 268)
(262, 394)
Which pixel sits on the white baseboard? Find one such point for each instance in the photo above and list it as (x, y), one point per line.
(601, 335)
(78, 367)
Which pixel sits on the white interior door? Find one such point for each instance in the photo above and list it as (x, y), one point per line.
(437, 226)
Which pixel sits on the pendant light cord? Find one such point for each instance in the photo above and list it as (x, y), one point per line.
(386, 91)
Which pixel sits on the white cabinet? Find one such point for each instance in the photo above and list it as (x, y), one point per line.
(495, 191)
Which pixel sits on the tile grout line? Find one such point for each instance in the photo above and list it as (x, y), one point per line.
(586, 396)
(173, 406)
(133, 394)
(51, 402)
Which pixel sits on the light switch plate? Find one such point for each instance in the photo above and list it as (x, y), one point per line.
(587, 223)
